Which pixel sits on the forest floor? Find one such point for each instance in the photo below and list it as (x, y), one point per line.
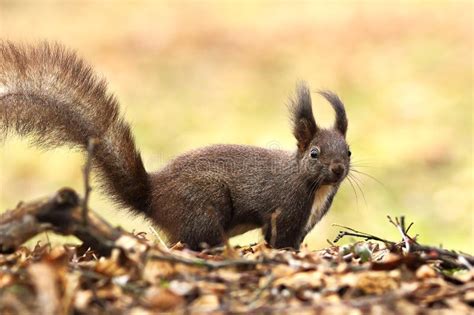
(116, 272)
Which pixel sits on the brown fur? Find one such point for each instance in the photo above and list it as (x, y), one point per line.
(49, 93)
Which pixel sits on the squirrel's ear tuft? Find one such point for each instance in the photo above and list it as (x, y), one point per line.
(304, 125)
(336, 103)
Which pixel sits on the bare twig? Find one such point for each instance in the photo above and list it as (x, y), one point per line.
(207, 263)
(408, 228)
(157, 236)
(449, 258)
(400, 225)
(86, 173)
(363, 235)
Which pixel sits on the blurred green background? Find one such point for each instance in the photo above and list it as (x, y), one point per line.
(190, 74)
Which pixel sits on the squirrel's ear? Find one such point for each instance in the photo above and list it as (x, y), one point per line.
(336, 103)
(304, 125)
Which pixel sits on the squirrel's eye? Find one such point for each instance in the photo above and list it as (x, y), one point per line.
(349, 153)
(314, 153)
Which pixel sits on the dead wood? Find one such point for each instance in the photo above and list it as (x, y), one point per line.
(449, 258)
(61, 213)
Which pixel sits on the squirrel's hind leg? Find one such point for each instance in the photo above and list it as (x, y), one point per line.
(205, 227)
(205, 222)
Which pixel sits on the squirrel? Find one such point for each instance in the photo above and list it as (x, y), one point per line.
(48, 93)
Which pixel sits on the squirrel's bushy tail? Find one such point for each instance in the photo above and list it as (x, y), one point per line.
(51, 95)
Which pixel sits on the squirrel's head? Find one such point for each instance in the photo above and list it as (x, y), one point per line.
(323, 154)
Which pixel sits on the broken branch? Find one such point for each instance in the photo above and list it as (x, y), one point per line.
(450, 258)
(61, 213)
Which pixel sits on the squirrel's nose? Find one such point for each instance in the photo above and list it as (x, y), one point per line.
(338, 169)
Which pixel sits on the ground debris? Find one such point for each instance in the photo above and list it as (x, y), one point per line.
(59, 280)
(116, 272)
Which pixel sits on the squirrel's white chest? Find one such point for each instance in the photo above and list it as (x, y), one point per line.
(320, 199)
